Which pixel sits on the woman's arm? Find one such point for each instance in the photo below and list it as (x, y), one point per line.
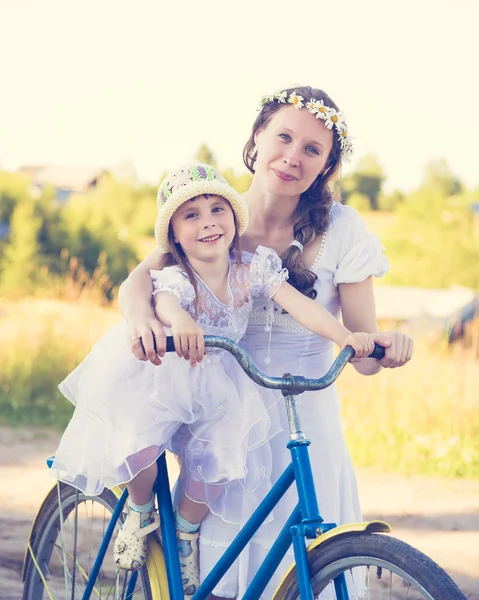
(134, 299)
(358, 308)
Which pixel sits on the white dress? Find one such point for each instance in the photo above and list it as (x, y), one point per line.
(212, 415)
(348, 254)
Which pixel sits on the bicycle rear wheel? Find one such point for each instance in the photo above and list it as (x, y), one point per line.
(64, 545)
(377, 567)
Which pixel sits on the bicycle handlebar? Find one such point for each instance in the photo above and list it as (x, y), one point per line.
(289, 384)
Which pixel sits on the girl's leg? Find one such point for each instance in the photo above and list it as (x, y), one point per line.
(140, 488)
(194, 512)
(188, 519)
(131, 543)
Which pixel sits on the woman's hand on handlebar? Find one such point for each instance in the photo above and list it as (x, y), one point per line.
(147, 338)
(399, 348)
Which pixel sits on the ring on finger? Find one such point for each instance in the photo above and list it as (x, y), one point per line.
(138, 337)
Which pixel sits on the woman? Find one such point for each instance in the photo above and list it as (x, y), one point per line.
(296, 147)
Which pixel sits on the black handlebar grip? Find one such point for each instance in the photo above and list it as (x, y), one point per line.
(378, 352)
(170, 346)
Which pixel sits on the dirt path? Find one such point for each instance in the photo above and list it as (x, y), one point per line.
(439, 517)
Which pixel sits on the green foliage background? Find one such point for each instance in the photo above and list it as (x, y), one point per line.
(434, 241)
(83, 249)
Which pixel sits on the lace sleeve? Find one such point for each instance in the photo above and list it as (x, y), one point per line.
(174, 281)
(266, 273)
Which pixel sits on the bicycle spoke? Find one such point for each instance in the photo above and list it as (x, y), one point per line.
(90, 557)
(124, 586)
(66, 548)
(75, 541)
(60, 512)
(50, 579)
(100, 574)
(407, 591)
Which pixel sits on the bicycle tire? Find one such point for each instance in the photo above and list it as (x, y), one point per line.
(47, 548)
(421, 575)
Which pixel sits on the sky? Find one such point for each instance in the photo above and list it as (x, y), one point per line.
(98, 82)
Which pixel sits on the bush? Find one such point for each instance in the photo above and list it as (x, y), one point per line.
(434, 243)
(41, 342)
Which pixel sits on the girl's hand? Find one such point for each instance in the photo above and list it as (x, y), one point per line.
(399, 348)
(362, 343)
(188, 338)
(147, 338)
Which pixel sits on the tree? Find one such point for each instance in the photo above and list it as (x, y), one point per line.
(13, 189)
(439, 178)
(366, 180)
(21, 255)
(433, 243)
(241, 183)
(206, 156)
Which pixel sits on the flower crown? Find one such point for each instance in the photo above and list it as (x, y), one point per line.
(330, 116)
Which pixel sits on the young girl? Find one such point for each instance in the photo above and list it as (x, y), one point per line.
(206, 410)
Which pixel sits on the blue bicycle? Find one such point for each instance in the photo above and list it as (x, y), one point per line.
(68, 555)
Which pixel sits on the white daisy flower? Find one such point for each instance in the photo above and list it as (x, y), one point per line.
(335, 118)
(296, 100)
(347, 149)
(322, 111)
(313, 105)
(266, 99)
(281, 97)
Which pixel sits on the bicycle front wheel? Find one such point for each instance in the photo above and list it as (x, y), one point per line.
(64, 545)
(376, 567)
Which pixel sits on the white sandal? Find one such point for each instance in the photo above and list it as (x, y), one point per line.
(131, 543)
(189, 562)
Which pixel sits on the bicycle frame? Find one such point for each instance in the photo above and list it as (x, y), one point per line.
(305, 522)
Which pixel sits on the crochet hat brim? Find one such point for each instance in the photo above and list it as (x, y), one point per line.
(193, 189)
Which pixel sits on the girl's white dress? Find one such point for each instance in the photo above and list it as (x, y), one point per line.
(212, 415)
(348, 254)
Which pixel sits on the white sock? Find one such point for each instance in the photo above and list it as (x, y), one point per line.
(144, 510)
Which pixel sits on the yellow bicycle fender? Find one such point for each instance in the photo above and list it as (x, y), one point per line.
(367, 526)
(117, 490)
(155, 564)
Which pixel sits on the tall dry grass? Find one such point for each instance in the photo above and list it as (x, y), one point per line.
(41, 341)
(420, 418)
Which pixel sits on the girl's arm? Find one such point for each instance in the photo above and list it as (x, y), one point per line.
(134, 299)
(187, 335)
(359, 314)
(318, 320)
